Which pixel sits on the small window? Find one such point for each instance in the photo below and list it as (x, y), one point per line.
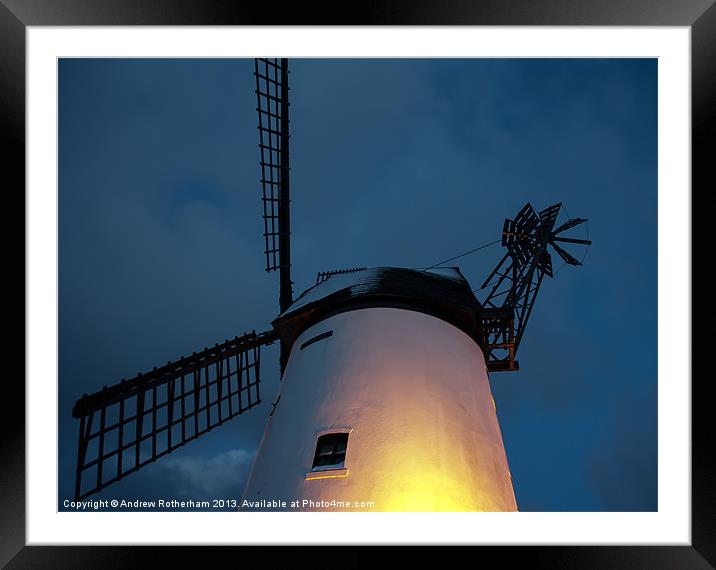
(321, 336)
(330, 451)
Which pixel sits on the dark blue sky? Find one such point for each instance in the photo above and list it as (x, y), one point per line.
(394, 162)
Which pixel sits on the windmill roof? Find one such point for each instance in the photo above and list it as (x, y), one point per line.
(443, 292)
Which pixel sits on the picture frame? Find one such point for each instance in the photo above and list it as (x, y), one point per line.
(15, 16)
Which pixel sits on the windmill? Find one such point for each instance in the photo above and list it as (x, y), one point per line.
(384, 371)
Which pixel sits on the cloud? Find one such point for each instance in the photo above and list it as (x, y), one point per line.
(223, 475)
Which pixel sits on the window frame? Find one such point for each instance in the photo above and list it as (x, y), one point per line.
(333, 470)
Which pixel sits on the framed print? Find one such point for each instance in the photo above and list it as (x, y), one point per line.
(371, 327)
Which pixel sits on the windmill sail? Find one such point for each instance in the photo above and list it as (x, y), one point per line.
(273, 107)
(131, 424)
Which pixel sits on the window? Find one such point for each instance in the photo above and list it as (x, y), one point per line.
(309, 342)
(330, 451)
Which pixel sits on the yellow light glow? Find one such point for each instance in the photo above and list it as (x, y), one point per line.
(417, 482)
(403, 459)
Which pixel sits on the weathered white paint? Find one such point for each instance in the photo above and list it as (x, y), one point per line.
(414, 393)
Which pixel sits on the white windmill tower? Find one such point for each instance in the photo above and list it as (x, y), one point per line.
(384, 401)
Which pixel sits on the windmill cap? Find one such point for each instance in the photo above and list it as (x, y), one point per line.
(442, 292)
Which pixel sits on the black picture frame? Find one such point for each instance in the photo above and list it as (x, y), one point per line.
(16, 15)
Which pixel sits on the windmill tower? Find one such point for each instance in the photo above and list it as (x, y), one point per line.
(384, 398)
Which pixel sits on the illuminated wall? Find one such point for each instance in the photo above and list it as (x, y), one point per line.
(413, 392)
